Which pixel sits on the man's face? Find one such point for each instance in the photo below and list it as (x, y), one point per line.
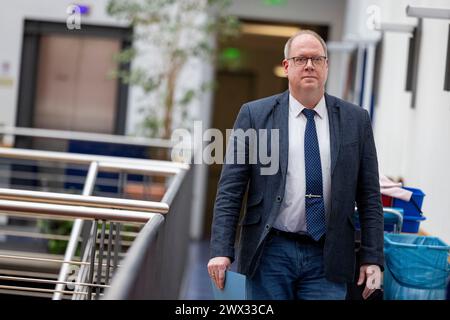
(308, 77)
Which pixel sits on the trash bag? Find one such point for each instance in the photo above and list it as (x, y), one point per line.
(416, 267)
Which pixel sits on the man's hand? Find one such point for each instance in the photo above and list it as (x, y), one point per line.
(371, 274)
(216, 269)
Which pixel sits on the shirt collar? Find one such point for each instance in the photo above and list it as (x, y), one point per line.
(296, 108)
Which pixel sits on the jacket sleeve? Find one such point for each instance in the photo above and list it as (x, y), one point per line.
(231, 188)
(368, 199)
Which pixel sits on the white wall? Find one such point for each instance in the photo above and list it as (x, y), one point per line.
(413, 144)
(428, 145)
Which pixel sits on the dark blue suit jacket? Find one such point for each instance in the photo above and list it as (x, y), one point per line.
(354, 178)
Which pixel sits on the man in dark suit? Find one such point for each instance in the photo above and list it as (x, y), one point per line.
(298, 237)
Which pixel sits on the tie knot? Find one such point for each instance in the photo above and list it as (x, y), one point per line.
(309, 113)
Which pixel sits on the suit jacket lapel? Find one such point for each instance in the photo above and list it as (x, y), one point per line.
(335, 128)
(281, 122)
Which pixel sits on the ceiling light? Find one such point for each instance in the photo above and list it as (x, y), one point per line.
(269, 30)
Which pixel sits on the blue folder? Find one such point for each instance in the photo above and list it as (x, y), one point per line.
(234, 288)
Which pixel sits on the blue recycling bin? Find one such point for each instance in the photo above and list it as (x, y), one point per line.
(413, 207)
(416, 267)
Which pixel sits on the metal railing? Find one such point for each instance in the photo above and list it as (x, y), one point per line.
(97, 230)
(139, 276)
(10, 132)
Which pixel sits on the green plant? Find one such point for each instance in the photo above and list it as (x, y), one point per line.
(57, 228)
(180, 30)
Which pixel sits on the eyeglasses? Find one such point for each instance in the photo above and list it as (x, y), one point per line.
(301, 61)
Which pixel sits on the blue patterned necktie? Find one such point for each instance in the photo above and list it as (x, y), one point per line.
(314, 204)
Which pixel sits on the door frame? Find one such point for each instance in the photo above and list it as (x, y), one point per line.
(33, 31)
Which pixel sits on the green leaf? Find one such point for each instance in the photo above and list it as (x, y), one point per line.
(188, 96)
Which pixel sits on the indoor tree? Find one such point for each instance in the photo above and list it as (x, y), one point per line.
(178, 30)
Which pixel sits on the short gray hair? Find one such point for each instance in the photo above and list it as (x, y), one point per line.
(287, 46)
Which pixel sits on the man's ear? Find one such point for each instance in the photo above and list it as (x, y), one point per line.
(285, 64)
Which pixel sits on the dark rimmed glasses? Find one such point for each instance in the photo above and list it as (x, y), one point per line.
(301, 61)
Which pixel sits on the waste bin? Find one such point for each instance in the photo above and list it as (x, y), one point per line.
(416, 267)
(413, 207)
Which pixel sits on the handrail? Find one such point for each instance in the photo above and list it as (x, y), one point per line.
(160, 165)
(68, 177)
(85, 136)
(37, 235)
(91, 201)
(16, 257)
(173, 188)
(136, 168)
(101, 210)
(399, 224)
(37, 280)
(73, 212)
(76, 231)
(134, 255)
(154, 265)
(35, 289)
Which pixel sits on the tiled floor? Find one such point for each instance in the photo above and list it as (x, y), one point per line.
(197, 285)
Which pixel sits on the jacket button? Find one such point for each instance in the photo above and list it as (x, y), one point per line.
(267, 226)
(278, 198)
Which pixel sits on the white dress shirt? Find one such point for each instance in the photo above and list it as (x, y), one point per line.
(292, 212)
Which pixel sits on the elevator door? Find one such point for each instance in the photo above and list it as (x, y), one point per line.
(73, 89)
